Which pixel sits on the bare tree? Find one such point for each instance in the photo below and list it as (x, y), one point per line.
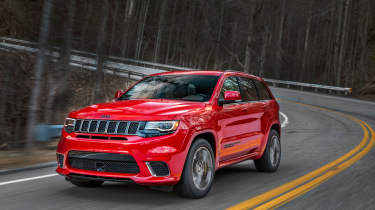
(342, 43)
(306, 42)
(247, 64)
(114, 23)
(219, 35)
(266, 39)
(141, 27)
(337, 38)
(159, 35)
(171, 30)
(364, 40)
(85, 24)
(129, 8)
(100, 54)
(38, 72)
(279, 40)
(59, 85)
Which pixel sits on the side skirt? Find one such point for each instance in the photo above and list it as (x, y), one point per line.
(237, 160)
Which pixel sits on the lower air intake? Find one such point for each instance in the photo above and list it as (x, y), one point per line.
(60, 160)
(158, 168)
(103, 162)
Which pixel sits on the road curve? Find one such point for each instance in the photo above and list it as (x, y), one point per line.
(311, 138)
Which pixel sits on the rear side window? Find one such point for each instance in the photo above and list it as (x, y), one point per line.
(262, 90)
(248, 89)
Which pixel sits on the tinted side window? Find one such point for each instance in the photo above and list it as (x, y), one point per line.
(248, 89)
(230, 83)
(262, 90)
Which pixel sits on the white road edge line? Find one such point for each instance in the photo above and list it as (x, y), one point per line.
(286, 120)
(27, 179)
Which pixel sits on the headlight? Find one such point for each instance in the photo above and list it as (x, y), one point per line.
(162, 126)
(69, 124)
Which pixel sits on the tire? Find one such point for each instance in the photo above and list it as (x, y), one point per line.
(88, 183)
(270, 160)
(199, 170)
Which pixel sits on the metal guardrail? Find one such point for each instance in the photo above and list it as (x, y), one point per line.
(93, 55)
(82, 60)
(135, 69)
(131, 69)
(87, 60)
(304, 86)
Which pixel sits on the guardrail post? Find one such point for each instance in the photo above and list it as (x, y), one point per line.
(316, 90)
(330, 91)
(288, 85)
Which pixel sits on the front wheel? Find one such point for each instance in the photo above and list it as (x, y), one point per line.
(199, 170)
(270, 160)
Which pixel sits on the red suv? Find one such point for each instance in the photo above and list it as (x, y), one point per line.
(174, 128)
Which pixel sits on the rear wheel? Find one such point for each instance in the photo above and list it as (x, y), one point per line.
(270, 160)
(199, 170)
(88, 183)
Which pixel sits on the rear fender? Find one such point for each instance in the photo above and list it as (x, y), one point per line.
(264, 141)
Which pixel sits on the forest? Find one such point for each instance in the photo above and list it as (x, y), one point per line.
(328, 42)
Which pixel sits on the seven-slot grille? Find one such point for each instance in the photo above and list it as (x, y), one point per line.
(106, 127)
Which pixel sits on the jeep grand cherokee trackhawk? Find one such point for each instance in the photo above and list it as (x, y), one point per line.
(174, 128)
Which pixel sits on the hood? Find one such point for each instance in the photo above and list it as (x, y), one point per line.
(146, 109)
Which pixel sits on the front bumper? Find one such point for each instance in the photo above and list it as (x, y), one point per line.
(169, 149)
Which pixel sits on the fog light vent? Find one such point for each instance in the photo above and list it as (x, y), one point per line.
(158, 168)
(60, 160)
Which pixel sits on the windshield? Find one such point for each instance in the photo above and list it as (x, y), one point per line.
(177, 87)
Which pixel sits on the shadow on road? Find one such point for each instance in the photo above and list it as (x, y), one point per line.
(226, 180)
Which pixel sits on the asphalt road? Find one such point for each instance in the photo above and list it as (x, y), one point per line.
(312, 138)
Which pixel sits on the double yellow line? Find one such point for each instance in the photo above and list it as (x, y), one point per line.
(289, 191)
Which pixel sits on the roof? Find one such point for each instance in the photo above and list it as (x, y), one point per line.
(194, 72)
(205, 72)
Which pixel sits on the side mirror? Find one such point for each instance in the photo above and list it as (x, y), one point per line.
(230, 97)
(118, 94)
